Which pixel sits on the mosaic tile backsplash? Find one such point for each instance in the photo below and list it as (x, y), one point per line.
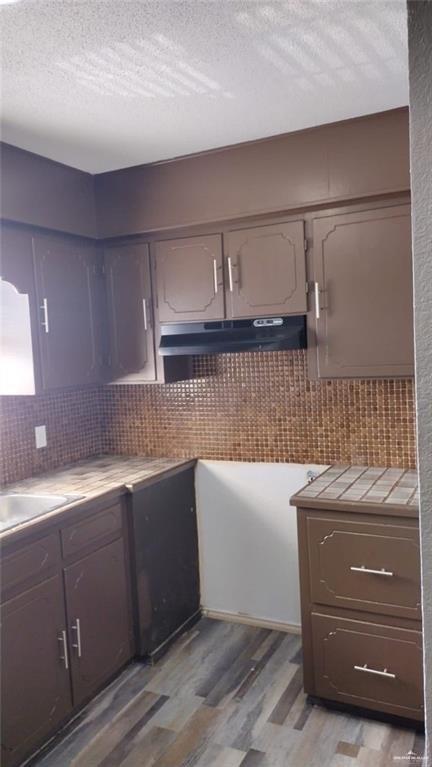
(73, 420)
(257, 406)
(261, 406)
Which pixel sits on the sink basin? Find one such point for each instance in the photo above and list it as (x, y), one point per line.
(16, 509)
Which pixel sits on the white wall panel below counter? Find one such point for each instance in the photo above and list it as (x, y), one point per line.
(248, 539)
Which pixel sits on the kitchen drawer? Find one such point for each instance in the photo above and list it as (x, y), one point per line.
(342, 553)
(29, 564)
(368, 665)
(93, 531)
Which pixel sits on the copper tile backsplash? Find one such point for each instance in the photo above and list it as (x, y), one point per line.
(246, 407)
(74, 431)
(261, 406)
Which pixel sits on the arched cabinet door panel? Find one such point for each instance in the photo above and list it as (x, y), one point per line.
(19, 342)
(266, 271)
(189, 279)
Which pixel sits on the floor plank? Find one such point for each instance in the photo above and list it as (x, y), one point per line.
(225, 695)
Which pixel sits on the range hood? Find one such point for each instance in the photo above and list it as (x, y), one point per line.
(262, 334)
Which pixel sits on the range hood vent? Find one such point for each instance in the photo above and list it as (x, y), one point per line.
(262, 334)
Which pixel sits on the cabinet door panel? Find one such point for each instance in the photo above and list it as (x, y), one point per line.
(97, 595)
(349, 653)
(67, 285)
(20, 361)
(362, 262)
(130, 313)
(268, 273)
(189, 279)
(36, 693)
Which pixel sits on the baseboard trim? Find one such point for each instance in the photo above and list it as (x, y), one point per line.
(249, 620)
(159, 651)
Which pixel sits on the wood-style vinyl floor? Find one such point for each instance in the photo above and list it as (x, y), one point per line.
(225, 695)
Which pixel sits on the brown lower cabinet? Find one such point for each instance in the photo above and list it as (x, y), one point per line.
(98, 618)
(66, 625)
(36, 690)
(361, 618)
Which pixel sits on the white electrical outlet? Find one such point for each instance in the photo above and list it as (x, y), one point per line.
(40, 436)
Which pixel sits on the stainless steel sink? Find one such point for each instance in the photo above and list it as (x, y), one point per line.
(16, 509)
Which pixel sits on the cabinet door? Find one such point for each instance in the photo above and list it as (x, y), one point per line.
(67, 286)
(166, 557)
(132, 351)
(189, 279)
(97, 601)
(19, 347)
(35, 682)
(362, 264)
(266, 271)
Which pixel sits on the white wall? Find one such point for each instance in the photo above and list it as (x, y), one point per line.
(248, 538)
(420, 75)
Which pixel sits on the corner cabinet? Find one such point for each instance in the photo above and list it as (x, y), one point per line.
(266, 271)
(363, 300)
(130, 313)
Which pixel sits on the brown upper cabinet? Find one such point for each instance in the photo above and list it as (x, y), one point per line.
(189, 279)
(67, 274)
(363, 304)
(266, 271)
(60, 275)
(130, 313)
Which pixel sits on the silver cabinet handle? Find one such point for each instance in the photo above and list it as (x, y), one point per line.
(317, 300)
(44, 307)
(230, 275)
(65, 657)
(215, 276)
(369, 571)
(77, 628)
(145, 313)
(375, 671)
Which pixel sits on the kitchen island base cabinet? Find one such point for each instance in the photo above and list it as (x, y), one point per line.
(36, 693)
(361, 620)
(166, 575)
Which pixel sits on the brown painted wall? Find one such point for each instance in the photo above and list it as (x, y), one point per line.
(340, 161)
(38, 191)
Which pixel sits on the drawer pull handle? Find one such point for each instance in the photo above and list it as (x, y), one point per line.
(385, 673)
(367, 570)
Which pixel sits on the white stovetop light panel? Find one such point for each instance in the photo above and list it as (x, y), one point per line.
(105, 84)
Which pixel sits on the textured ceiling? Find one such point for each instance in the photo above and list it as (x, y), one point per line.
(103, 84)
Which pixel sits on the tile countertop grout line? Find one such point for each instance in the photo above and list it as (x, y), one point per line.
(381, 493)
(92, 479)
